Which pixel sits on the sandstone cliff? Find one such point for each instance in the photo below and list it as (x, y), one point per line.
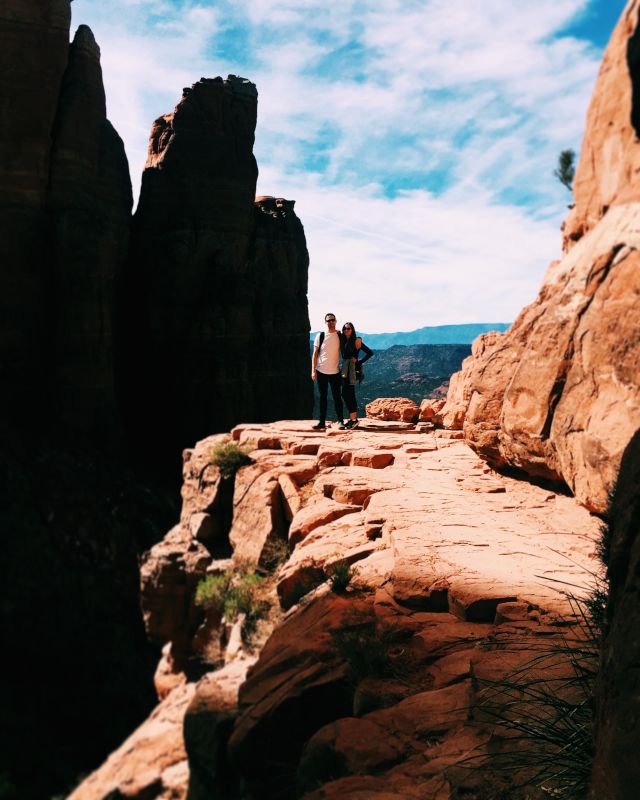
(215, 293)
(558, 395)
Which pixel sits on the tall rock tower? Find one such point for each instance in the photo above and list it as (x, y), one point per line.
(215, 298)
(65, 206)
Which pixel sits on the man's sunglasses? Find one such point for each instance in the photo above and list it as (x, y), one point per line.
(330, 319)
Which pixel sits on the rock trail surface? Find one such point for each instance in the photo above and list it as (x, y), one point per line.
(458, 575)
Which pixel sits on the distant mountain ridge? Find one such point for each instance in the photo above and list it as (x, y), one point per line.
(438, 334)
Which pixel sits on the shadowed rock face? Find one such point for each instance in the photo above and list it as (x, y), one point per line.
(216, 288)
(615, 773)
(89, 209)
(65, 198)
(558, 395)
(33, 57)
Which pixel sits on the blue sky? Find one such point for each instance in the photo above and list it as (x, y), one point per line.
(417, 137)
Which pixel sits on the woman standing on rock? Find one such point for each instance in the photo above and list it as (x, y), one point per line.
(350, 347)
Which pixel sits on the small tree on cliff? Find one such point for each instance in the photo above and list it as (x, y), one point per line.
(566, 169)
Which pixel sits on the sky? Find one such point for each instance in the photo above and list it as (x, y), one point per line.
(417, 137)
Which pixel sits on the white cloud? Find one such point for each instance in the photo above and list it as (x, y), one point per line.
(418, 137)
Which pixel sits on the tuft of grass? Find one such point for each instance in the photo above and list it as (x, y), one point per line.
(547, 711)
(232, 594)
(229, 456)
(340, 576)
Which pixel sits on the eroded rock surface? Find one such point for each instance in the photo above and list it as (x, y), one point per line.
(378, 683)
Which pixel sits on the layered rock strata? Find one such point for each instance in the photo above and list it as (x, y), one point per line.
(558, 395)
(216, 287)
(456, 572)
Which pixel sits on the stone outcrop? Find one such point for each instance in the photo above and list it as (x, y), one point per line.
(558, 395)
(384, 684)
(216, 285)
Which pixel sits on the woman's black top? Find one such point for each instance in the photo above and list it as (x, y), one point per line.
(348, 348)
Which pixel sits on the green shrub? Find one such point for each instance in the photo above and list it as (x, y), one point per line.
(229, 456)
(233, 594)
(340, 576)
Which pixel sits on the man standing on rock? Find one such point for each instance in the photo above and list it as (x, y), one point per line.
(325, 368)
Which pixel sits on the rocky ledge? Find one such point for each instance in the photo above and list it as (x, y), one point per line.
(403, 578)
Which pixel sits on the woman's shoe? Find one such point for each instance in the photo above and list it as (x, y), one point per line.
(319, 427)
(352, 423)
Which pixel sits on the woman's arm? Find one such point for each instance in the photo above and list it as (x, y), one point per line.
(366, 350)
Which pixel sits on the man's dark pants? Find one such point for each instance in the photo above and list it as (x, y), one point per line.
(335, 381)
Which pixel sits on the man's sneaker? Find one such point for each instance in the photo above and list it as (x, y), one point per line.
(319, 427)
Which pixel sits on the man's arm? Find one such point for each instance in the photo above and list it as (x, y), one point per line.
(314, 362)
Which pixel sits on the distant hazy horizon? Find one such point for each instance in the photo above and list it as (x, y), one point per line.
(429, 334)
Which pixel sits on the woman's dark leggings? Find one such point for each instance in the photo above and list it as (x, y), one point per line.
(349, 395)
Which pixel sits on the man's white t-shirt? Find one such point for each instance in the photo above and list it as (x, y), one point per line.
(329, 354)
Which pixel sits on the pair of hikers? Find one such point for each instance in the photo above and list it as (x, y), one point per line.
(329, 348)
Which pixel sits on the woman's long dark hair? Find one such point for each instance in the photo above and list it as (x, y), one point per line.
(349, 344)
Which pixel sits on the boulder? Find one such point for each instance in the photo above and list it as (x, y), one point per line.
(393, 408)
(429, 408)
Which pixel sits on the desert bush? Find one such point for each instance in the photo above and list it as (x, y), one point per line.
(547, 710)
(229, 456)
(232, 594)
(340, 576)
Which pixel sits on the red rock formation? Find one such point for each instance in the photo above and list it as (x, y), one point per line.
(558, 395)
(217, 314)
(446, 559)
(610, 155)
